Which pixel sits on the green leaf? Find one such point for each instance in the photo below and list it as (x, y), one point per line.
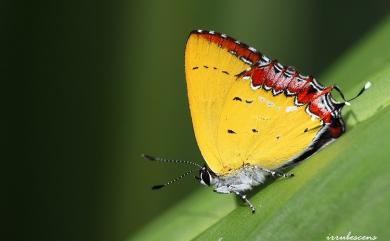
(343, 188)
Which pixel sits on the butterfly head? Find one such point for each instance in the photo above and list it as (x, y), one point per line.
(206, 176)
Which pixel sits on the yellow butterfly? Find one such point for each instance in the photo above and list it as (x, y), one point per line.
(252, 117)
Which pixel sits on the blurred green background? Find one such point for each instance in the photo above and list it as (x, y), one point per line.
(97, 83)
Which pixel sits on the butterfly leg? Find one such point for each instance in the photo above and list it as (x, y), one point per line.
(243, 198)
(278, 174)
(223, 190)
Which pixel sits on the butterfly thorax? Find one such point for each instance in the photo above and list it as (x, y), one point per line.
(240, 180)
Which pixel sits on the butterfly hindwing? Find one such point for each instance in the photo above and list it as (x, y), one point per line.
(262, 129)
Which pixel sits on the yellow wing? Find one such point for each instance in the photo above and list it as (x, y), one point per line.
(261, 129)
(233, 123)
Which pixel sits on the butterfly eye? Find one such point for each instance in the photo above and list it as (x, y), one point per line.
(205, 177)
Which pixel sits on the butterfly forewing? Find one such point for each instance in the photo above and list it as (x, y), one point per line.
(210, 73)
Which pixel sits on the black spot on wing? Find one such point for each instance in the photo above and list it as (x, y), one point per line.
(231, 131)
(237, 98)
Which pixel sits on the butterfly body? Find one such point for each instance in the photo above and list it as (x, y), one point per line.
(240, 180)
(252, 116)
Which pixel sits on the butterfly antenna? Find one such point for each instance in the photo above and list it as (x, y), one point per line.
(173, 180)
(160, 159)
(346, 102)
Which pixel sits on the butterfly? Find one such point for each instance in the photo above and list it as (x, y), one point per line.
(252, 116)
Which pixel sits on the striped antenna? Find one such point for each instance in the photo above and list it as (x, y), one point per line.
(160, 159)
(172, 181)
